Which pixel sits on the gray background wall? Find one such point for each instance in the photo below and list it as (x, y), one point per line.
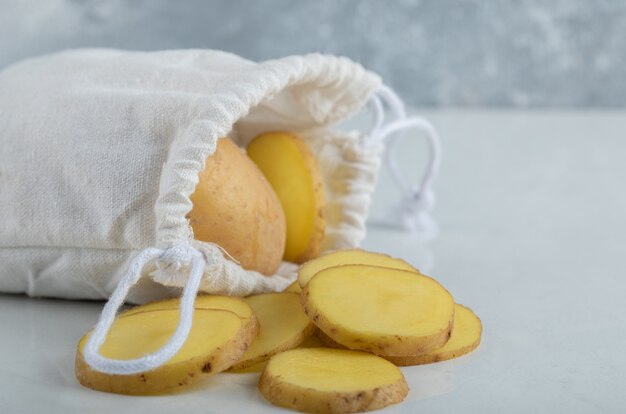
(441, 53)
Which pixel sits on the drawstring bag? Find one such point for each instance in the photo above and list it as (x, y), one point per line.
(101, 149)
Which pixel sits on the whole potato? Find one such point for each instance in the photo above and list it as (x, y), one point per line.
(235, 207)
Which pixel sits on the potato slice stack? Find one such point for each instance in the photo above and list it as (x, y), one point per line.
(380, 310)
(375, 303)
(371, 313)
(227, 333)
(283, 326)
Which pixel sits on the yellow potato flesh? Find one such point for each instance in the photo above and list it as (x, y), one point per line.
(381, 310)
(333, 370)
(217, 339)
(349, 256)
(464, 339)
(282, 323)
(466, 332)
(293, 288)
(229, 303)
(145, 333)
(366, 299)
(292, 172)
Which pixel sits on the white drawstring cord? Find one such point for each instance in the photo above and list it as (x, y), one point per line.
(379, 116)
(177, 256)
(417, 201)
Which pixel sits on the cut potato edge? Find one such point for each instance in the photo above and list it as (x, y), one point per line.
(340, 257)
(343, 331)
(367, 392)
(282, 324)
(171, 376)
(454, 348)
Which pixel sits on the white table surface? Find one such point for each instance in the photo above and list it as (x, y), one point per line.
(532, 216)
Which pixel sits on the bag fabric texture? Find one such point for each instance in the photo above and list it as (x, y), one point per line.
(100, 150)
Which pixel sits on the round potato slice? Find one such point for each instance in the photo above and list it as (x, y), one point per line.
(465, 338)
(233, 304)
(323, 380)
(282, 323)
(380, 310)
(292, 171)
(217, 339)
(349, 256)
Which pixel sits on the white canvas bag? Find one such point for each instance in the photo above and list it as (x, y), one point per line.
(101, 149)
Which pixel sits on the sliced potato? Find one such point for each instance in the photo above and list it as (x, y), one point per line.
(293, 288)
(323, 380)
(464, 339)
(283, 325)
(291, 169)
(380, 310)
(233, 304)
(252, 369)
(349, 256)
(331, 343)
(217, 339)
(311, 341)
(235, 207)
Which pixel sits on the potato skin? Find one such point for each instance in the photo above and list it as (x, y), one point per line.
(442, 354)
(168, 378)
(309, 400)
(400, 361)
(437, 355)
(235, 207)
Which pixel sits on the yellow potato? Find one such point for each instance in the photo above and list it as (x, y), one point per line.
(380, 310)
(464, 339)
(293, 288)
(282, 323)
(235, 207)
(290, 167)
(217, 339)
(323, 380)
(349, 256)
